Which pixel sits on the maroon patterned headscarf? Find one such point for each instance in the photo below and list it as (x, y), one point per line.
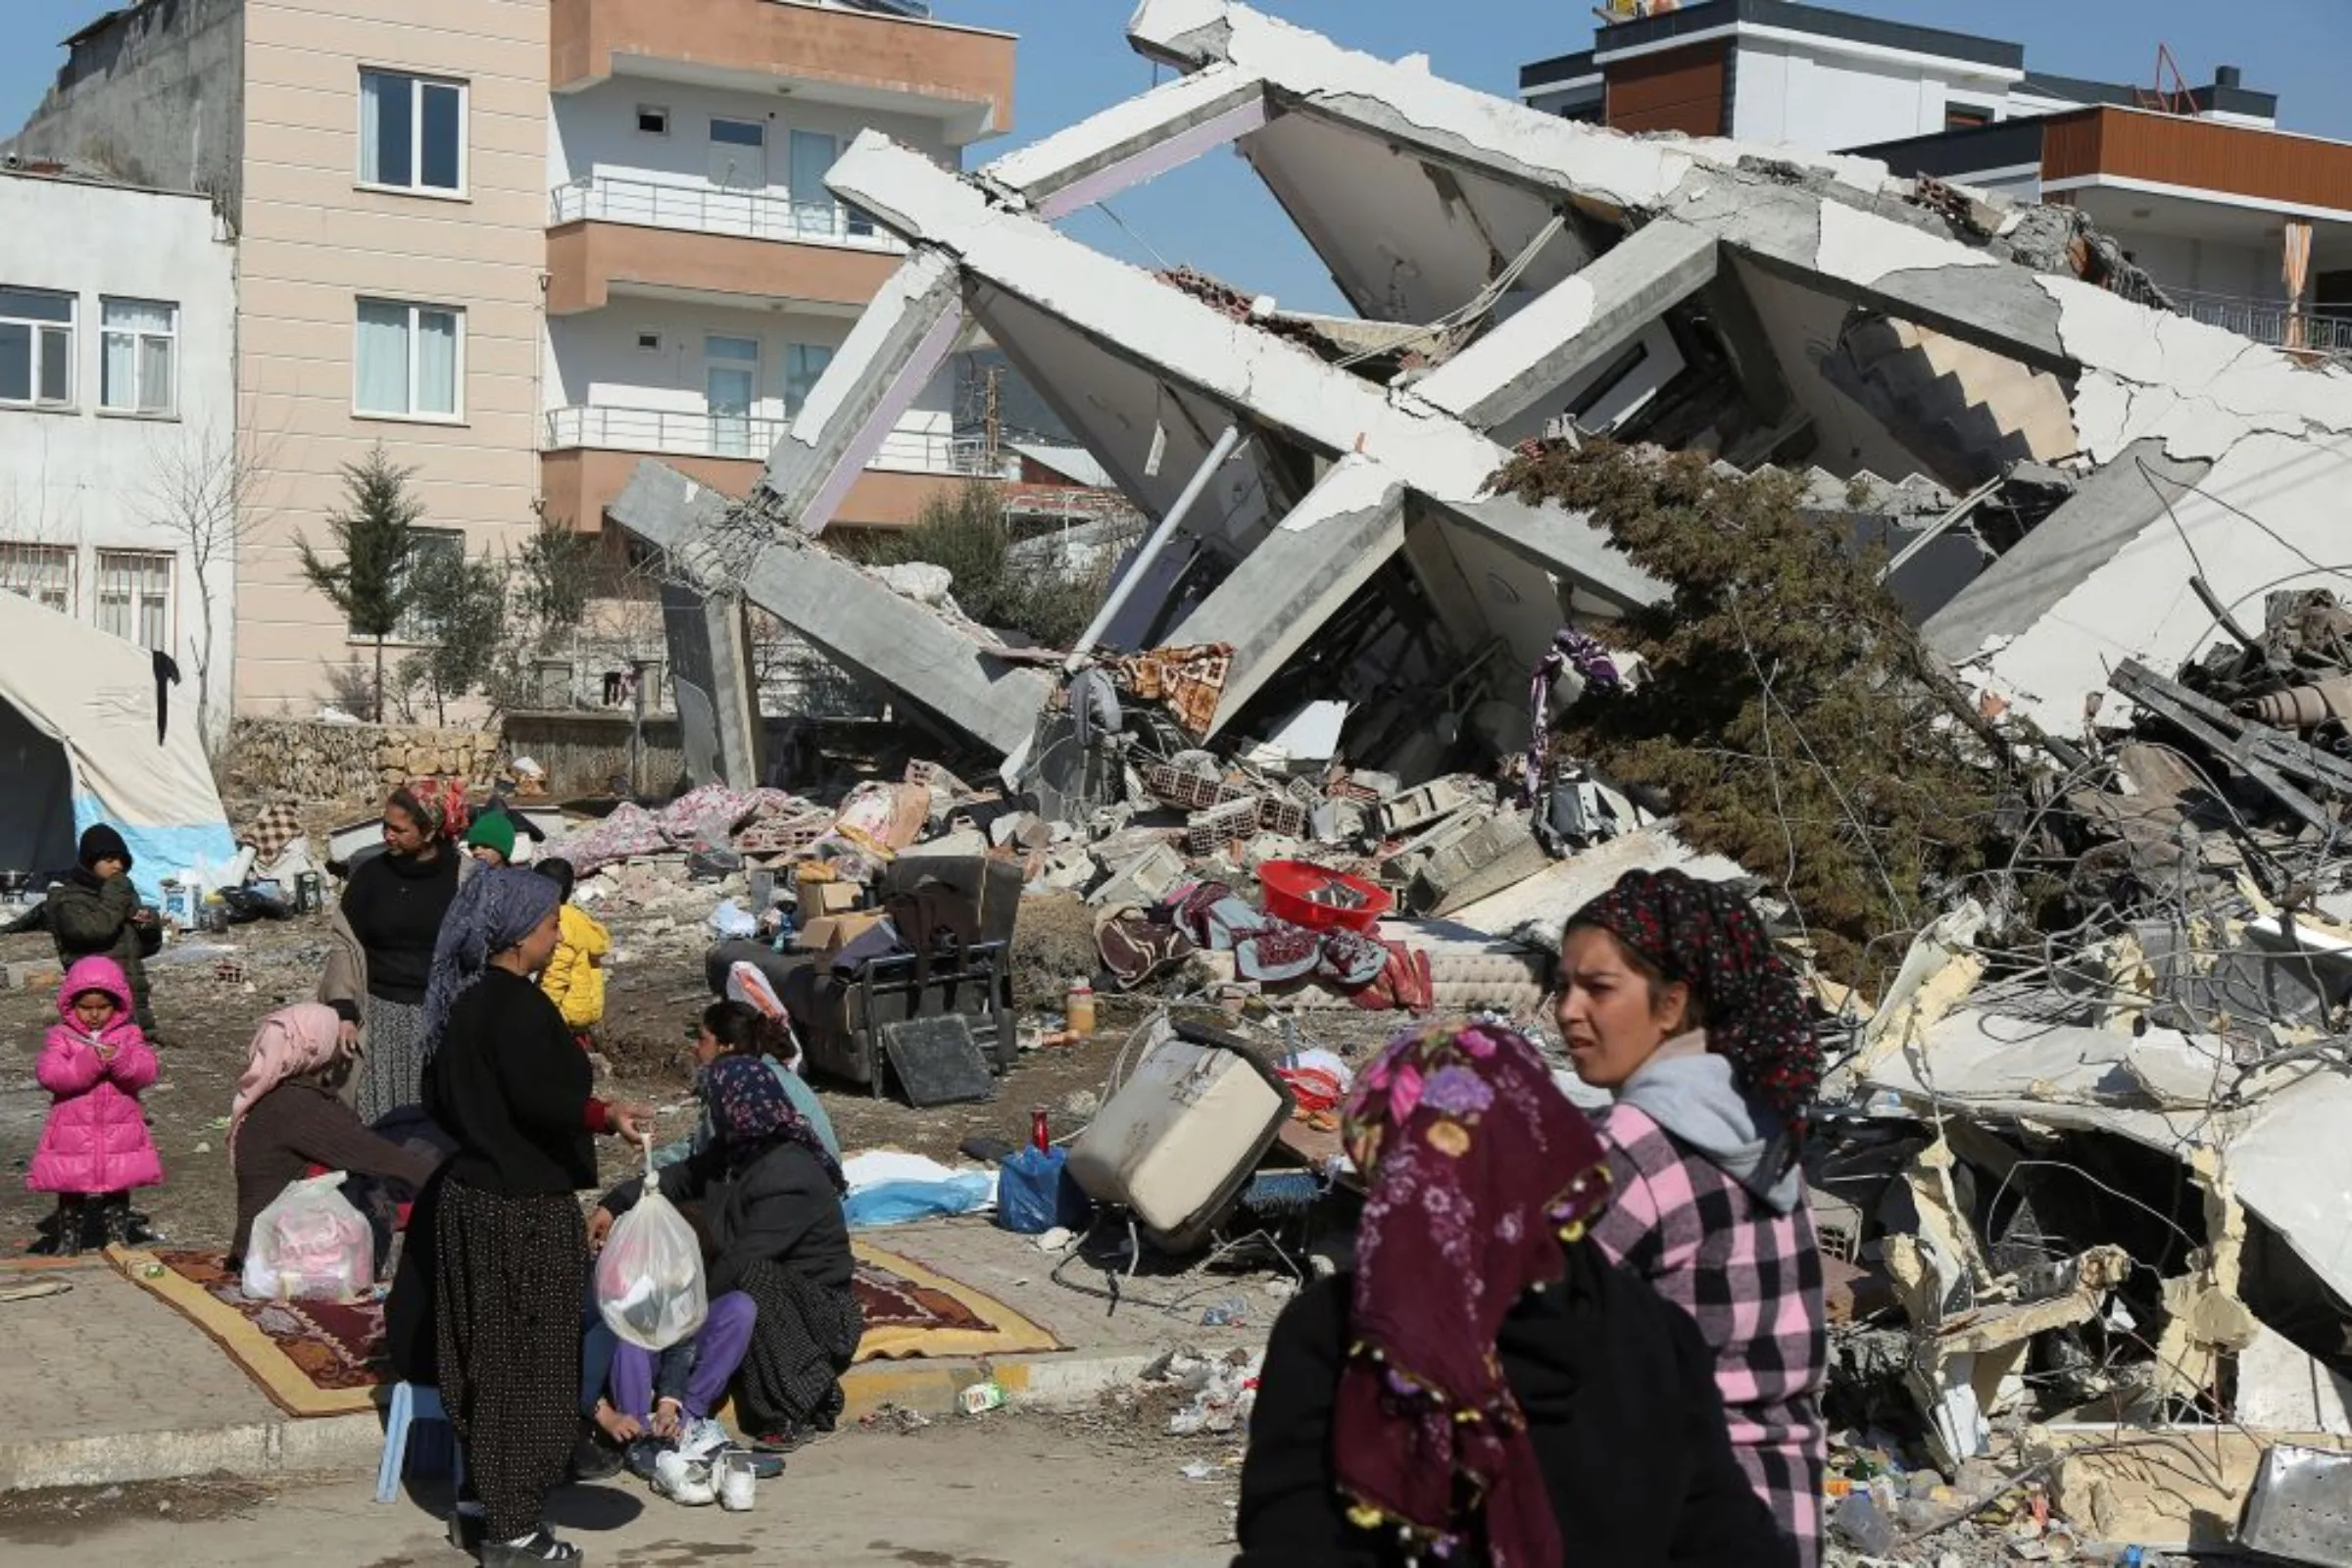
(1709, 938)
(1477, 1169)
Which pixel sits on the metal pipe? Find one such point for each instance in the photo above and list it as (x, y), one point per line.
(1218, 452)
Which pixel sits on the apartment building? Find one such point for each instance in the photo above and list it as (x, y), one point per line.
(521, 244)
(700, 275)
(2241, 222)
(117, 416)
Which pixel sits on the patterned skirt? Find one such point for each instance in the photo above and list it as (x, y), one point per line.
(392, 1072)
(805, 1338)
(506, 1277)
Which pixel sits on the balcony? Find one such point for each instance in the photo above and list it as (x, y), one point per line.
(636, 236)
(705, 209)
(961, 77)
(2269, 322)
(589, 452)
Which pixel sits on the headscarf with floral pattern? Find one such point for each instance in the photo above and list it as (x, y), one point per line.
(1479, 1170)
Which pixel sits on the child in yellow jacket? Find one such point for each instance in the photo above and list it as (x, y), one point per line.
(575, 978)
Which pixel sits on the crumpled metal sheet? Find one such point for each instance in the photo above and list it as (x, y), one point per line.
(2301, 1510)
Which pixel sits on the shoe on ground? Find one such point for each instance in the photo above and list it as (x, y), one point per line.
(642, 1454)
(685, 1482)
(593, 1458)
(537, 1547)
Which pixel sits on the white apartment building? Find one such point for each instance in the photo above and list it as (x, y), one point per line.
(118, 436)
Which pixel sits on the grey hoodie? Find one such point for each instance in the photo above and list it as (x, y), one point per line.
(1688, 1091)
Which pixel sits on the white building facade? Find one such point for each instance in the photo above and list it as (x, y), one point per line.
(120, 442)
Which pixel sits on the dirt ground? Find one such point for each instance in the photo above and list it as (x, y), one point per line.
(210, 993)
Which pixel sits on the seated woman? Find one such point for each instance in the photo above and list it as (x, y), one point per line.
(777, 1243)
(288, 1116)
(739, 1029)
(1486, 1385)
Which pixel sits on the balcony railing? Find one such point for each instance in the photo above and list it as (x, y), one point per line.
(679, 433)
(2267, 320)
(705, 209)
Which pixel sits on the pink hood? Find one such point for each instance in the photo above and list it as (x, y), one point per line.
(97, 974)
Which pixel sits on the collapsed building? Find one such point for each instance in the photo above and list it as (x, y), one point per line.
(2073, 489)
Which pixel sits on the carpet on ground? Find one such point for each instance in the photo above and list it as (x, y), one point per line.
(317, 1359)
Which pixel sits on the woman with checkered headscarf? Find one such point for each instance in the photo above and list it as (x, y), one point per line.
(1673, 998)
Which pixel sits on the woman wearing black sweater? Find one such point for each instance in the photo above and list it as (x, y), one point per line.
(511, 1088)
(392, 909)
(1487, 1388)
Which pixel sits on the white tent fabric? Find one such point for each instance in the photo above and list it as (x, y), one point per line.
(78, 746)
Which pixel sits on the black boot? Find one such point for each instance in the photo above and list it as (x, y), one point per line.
(69, 1224)
(113, 1216)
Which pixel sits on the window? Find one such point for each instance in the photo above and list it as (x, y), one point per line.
(134, 374)
(814, 210)
(36, 347)
(649, 342)
(804, 364)
(43, 574)
(653, 119)
(447, 543)
(411, 360)
(134, 597)
(411, 132)
(1962, 117)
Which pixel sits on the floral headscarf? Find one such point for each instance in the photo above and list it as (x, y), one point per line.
(494, 910)
(751, 1112)
(1707, 937)
(1477, 1169)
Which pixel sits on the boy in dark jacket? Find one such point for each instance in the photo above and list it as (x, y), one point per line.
(95, 913)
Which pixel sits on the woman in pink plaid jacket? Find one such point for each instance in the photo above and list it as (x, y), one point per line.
(1673, 998)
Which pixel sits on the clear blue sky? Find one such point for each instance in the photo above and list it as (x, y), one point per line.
(1215, 216)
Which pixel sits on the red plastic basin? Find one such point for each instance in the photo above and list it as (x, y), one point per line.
(1319, 897)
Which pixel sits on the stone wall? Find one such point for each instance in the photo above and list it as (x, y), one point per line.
(307, 760)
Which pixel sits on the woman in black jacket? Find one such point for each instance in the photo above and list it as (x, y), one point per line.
(773, 1230)
(1484, 1387)
(392, 908)
(511, 1089)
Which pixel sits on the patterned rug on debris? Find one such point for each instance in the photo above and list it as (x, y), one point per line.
(311, 1357)
(911, 1312)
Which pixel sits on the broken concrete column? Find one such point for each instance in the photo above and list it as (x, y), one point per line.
(711, 671)
(1574, 325)
(850, 618)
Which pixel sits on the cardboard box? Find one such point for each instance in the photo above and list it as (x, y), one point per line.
(820, 899)
(829, 934)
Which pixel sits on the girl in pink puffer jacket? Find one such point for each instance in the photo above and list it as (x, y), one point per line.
(95, 1146)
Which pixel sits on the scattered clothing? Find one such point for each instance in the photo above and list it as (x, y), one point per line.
(95, 1141)
(1272, 951)
(1749, 1275)
(575, 980)
(273, 827)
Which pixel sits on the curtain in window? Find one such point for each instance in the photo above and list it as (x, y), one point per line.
(118, 370)
(436, 361)
(387, 128)
(813, 154)
(154, 375)
(384, 358)
(136, 367)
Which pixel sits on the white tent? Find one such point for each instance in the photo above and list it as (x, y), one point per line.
(80, 718)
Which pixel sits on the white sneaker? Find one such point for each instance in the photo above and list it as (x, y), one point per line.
(683, 1481)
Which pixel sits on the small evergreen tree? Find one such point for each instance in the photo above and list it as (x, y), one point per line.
(370, 586)
(462, 607)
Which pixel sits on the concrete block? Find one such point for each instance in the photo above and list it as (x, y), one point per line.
(1144, 879)
(1207, 832)
(1427, 804)
(1495, 852)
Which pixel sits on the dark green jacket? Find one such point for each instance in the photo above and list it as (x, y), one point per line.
(90, 919)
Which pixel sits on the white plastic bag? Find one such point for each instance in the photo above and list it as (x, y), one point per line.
(309, 1245)
(648, 1278)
